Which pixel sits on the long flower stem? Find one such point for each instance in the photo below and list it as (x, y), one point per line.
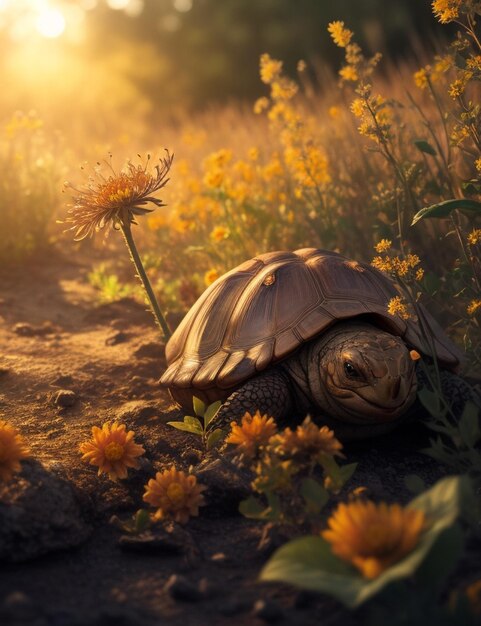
(144, 279)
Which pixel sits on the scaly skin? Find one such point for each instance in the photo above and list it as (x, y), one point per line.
(314, 380)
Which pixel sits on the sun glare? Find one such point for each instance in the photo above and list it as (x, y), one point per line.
(50, 23)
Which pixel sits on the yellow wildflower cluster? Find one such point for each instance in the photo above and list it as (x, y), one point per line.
(474, 307)
(433, 73)
(22, 122)
(340, 35)
(270, 69)
(447, 10)
(474, 237)
(406, 268)
(397, 306)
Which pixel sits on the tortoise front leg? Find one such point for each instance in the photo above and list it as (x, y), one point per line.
(268, 392)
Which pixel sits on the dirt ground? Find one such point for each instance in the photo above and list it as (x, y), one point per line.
(55, 336)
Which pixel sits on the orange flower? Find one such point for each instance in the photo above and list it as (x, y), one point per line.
(117, 198)
(254, 431)
(373, 536)
(308, 441)
(112, 449)
(12, 450)
(176, 494)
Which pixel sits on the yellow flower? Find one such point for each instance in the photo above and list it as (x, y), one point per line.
(348, 72)
(373, 536)
(358, 106)
(477, 164)
(118, 198)
(219, 233)
(176, 495)
(214, 178)
(474, 236)
(473, 307)
(383, 245)
(446, 10)
(260, 105)
(396, 306)
(334, 112)
(307, 441)
(270, 68)
(340, 35)
(421, 78)
(112, 449)
(211, 276)
(253, 432)
(12, 450)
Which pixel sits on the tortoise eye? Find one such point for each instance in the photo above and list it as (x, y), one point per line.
(350, 370)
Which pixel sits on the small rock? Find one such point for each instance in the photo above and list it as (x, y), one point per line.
(18, 607)
(218, 557)
(151, 350)
(268, 610)
(232, 607)
(192, 457)
(24, 329)
(182, 589)
(65, 398)
(40, 513)
(151, 543)
(116, 338)
(137, 410)
(62, 380)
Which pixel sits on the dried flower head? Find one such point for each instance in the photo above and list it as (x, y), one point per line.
(446, 10)
(176, 495)
(373, 536)
(112, 449)
(254, 431)
(474, 236)
(307, 442)
(12, 450)
(117, 198)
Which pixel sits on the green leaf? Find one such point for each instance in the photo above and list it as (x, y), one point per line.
(252, 508)
(142, 520)
(431, 402)
(309, 562)
(211, 412)
(443, 209)
(214, 437)
(423, 146)
(442, 559)
(346, 471)
(199, 406)
(314, 494)
(194, 422)
(414, 484)
(469, 425)
(189, 428)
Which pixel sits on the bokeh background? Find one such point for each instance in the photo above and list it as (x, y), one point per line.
(161, 58)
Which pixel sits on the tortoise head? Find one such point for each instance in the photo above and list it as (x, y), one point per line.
(366, 375)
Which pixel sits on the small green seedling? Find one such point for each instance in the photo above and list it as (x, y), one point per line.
(202, 424)
(140, 521)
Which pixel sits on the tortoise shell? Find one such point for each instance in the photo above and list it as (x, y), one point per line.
(263, 310)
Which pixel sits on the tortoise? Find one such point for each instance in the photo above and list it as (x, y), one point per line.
(306, 332)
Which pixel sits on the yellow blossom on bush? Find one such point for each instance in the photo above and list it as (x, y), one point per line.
(383, 245)
(269, 68)
(474, 236)
(340, 35)
(477, 164)
(446, 10)
(307, 441)
(211, 276)
(219, 233)
(396, 306)
(253, 432)
(12, 450)
(349, 72)
(421, 79)
(358, 107)
(112, 449)
(175, 494)
(260, 105)
(473, 307)
(373, 536)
